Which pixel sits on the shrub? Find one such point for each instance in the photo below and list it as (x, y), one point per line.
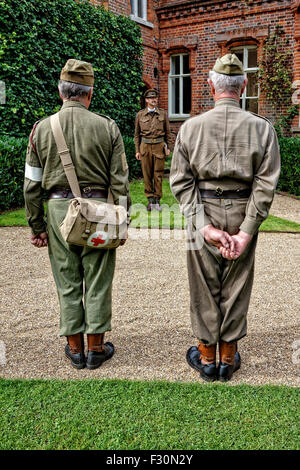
(37, 38)
(289, 180)
(135, 169)
(12, 163)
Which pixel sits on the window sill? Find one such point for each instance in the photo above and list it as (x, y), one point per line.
(181, 117)
(141, 21)
(296, 130)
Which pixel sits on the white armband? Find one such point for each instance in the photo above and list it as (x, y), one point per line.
(33, 173)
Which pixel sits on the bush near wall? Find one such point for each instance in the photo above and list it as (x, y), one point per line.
(289, 180)
(37, 38)
(135, 169)
(12, 164)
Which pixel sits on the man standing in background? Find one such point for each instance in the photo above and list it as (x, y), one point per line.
(152, 144)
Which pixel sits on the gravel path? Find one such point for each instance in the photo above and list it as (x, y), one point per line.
(286, 207)
(151, 325)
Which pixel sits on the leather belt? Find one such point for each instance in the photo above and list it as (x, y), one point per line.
(219, 193)
(85, 192)
(152, 141)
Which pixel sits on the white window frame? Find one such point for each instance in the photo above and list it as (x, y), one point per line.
(181, 115)
(140, 19)
(247, 69)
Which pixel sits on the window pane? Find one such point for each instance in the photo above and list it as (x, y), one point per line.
(175, 69)
(252, 58)
(186, 67)
(240, 55)
(252, 86)
(186, 95)
(140, 8)
(252, 105)
(175, 95)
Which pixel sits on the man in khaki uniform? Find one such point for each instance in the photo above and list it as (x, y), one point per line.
(83, 275)
(225, 168)
(152, 143)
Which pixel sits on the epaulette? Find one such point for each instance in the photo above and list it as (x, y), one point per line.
(104, 115)
(31, 134)
(262, 117)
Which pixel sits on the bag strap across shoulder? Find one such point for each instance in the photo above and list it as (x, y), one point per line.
(64, 154)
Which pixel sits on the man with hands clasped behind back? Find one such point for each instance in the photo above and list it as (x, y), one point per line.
(225, 166)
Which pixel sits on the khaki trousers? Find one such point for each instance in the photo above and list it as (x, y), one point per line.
(220, 289)
(153, 162)
(83, 278)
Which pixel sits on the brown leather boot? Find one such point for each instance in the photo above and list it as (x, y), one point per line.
(230, 360)
(98, 352)
(203, 359)
(74, 350)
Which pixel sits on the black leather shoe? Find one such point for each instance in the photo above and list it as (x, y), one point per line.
(226, 371)
(95, 359)
(77, 360)
(208, 372)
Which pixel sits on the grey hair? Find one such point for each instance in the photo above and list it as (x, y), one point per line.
(73, 90)
(229, 83)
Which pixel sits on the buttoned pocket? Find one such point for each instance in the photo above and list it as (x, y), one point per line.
(145, 124)
(160, 122)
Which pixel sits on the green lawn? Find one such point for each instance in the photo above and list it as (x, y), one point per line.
(115, 414)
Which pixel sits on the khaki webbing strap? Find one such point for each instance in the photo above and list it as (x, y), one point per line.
(64, 154)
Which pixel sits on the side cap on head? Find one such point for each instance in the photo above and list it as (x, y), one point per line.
(229, 64)
(151, 93)
(77, 71)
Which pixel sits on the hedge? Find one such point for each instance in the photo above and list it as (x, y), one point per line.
(12, 161)
(37, 38)
(289, 180)
(12, 164)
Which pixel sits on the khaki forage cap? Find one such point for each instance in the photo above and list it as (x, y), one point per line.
(77, 71)
(229, 64)
(151, 93)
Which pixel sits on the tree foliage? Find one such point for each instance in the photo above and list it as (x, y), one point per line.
(36, 39)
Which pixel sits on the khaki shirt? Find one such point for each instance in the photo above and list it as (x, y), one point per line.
(152, 126)
(229, 148)
(97, 152)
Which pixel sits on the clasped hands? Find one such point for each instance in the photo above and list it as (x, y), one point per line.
(230, 246)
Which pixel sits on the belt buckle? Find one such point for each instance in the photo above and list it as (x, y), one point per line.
(219, 191)
(152, 141)
(87, 191)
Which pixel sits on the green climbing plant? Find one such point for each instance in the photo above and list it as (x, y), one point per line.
(275, 76)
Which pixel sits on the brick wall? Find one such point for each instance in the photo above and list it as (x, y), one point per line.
(119, 7)
(206, 30)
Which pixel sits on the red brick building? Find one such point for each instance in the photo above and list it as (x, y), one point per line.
(183, 38)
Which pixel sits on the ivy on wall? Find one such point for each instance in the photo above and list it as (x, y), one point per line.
(37, 37)
(275, 75)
